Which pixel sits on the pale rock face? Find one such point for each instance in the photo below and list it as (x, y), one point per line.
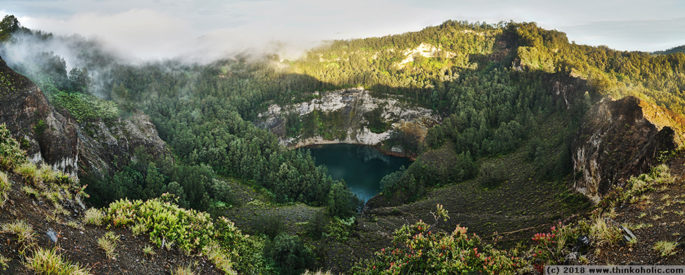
(355, 102)
(425, 50)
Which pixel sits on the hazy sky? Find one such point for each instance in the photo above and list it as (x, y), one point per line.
(152, 29)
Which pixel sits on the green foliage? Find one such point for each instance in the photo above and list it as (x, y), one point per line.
(10, 151)
(290, 254)
(190, 231)
(665, 248)
(341, 202)
(419, 248)
(49, 262)
(109, 243)
(375, 121)
(86, 108)
(5, 186)
(339, 229)
(94, 216)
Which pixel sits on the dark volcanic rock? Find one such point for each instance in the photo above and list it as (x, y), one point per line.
(46, 135)
(615, 142)
(55, 138)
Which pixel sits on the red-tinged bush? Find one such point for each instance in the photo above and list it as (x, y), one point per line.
(421, 249)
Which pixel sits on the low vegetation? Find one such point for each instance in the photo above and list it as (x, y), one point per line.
(109, 243)
(21, 230)
(94, 216)
(665, 248)
(170, 226)
(421, 246)
(48, 261)
(5, 186)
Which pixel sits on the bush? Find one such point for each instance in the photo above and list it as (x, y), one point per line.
(290, 254)
(191, 231)
(10, 151)
(341, 202)
(46, 261)
(418, 249)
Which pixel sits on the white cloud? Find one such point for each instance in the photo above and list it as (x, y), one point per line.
(153, 29)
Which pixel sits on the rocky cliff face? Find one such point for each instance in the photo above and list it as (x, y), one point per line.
(615, 142)
(45, 134)
(56, 139)
(115, 144)
(353, 109)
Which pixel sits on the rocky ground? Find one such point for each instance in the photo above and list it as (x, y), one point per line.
(78, 242)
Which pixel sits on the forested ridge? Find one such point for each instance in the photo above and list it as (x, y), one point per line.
(495, 87)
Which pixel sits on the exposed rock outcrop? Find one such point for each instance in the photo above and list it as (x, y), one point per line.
(45, 134)
(353, 107)
(615, 142)
(115, 144)
(56, 139)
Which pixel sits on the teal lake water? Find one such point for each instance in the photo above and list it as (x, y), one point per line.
(362, 167)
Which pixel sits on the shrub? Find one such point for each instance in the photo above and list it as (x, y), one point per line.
(665, 248)
(339, 229)
(290, 254)
(418, 249)
(94, 216)
(46, 261)
(191, 231)
(10, 151)
(341, 202)
(5, 186)
(109, 243)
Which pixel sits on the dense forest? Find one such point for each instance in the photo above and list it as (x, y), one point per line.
(491, 84)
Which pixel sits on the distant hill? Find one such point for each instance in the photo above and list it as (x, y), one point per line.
(679, 49)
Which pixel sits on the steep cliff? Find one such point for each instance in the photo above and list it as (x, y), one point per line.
(615, 142)
(45, 134)
(54, 137)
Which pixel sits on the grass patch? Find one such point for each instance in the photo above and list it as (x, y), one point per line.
(603, 233)
(48, 261)
(10, 150)
(149, 251)
(109, 243)
(182, 270)
(665, 248)
(28, 171)
(4, 262)
(94, 216)
(5, 186)
(21, 229)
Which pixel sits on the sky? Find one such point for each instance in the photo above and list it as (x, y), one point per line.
(209, 29)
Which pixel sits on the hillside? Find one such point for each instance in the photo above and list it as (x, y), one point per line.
(512, 127)
(679, 49)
